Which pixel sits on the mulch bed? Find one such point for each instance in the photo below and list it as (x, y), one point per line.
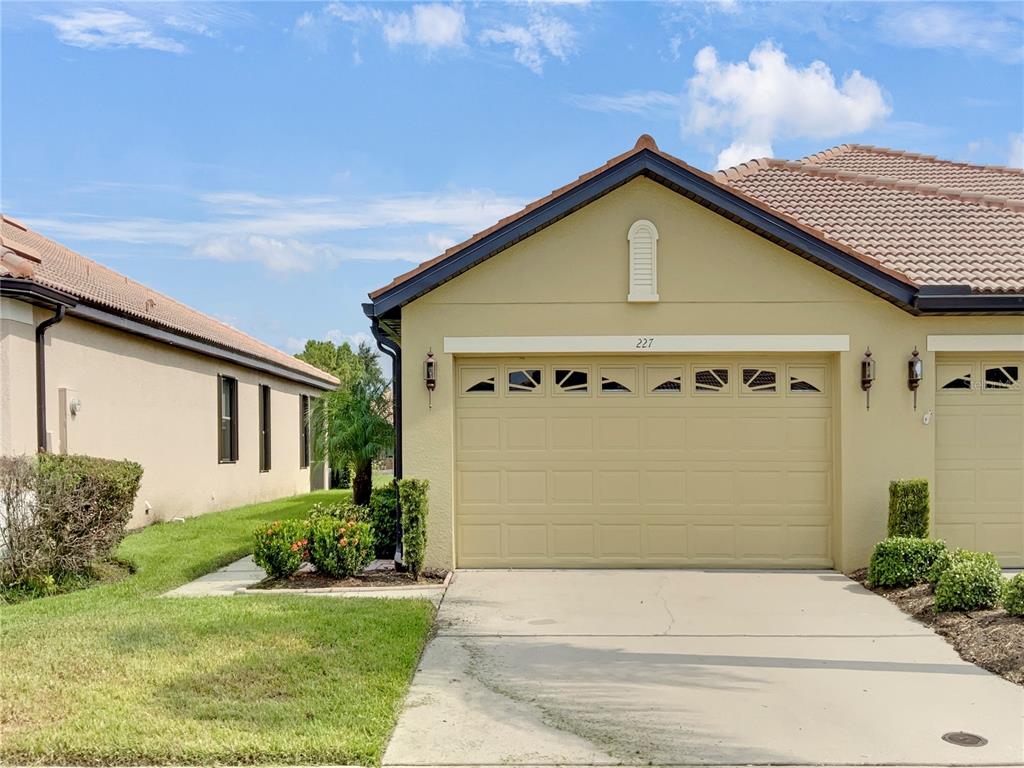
(992, 639)
(372, 579)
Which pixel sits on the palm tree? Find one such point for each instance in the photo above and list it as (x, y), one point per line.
(352, 425)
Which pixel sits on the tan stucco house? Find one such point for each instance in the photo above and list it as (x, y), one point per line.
(94, 363)
(657, 366)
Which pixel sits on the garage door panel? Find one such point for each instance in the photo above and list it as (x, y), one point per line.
(979, 473)
(645, 478)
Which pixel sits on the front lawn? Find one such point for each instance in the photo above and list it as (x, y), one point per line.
(116, 674)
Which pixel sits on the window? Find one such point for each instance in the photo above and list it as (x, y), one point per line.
(956, 377)
(572, 380)
(264, 428)
(664, 380)
(1002, 377)
(227, 419)
(806, 379)
(524, 381)
(618, 381)
(710, 380)
(643, 261)
(304, 443)
(477, 381)
(759, 380)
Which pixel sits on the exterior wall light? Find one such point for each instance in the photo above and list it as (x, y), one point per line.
(430, 376)
(867, 375)
(915, 372)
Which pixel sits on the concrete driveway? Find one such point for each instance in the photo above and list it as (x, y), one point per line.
(693, 667)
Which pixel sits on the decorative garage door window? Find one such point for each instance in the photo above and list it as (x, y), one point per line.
(618, 381)
(806, 380)
(478, 381)
(956, 377)
(664, 380)
(572, 380)
(760, 380)
(524, 380)
(710, 380)
(1002, 377)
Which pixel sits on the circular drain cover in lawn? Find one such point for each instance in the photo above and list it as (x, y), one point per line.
(962, 739)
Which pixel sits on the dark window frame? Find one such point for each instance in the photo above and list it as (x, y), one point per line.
(304, 432)
(227, 450)
(266, 452)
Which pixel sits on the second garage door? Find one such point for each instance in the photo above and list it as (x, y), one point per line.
(607, 462)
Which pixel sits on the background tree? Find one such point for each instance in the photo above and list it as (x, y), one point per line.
(339, 361)
(352, 425)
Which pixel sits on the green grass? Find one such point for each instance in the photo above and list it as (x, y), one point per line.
(115, 674)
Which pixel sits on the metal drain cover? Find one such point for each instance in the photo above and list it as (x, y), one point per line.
(963, 739)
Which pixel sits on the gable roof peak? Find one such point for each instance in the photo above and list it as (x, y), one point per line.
(646, 141)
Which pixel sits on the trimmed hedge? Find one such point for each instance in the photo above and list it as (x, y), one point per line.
(413, 497)
(340, 548)
(972, 580)
(381, 515)
(281, 547)
(1013, 595)
(903, 561)
(908, 508)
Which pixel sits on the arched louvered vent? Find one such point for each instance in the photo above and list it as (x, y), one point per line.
(643, 261)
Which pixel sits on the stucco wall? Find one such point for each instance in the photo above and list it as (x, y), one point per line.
(714, 277)
(157, 405)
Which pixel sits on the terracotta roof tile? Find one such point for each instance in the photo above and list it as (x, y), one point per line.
(923, 220)
(92, 283)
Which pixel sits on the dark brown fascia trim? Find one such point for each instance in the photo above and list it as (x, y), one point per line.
(138, 328)
(31, 292)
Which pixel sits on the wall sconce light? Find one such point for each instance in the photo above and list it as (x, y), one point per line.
(430, 376)
(867, 375)
(75, 406)
(915, 372)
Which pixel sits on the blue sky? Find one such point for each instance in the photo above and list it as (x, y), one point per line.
(271, 163)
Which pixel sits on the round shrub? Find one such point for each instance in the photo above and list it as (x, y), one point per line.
(902, 561)
(1013, 595)
(281, 547)
(342, 510)
(973, 580)
(340, 548)
(939, 566)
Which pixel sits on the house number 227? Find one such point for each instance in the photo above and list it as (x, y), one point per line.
(644, 342)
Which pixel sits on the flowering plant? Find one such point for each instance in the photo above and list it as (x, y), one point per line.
(281, 547)
(340, 548)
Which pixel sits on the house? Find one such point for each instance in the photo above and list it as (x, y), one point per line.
(94, 363)
(657, 366)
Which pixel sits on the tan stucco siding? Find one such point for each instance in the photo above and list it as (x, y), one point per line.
(714, 277)
(17, 378)
(157, 404)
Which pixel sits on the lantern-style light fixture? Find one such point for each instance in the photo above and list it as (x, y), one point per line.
(867, 375)
(915, 372)
(430, 376)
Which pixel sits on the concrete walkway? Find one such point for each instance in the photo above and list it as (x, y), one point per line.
(225, 581)
(693, 667)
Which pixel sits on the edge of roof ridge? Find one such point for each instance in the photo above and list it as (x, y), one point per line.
(827, 154)
(746, 168)
(933, 158)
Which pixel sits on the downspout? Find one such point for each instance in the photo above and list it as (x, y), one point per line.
(41, 376)
(390, 348)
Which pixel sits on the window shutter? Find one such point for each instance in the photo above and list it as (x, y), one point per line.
(643, 261)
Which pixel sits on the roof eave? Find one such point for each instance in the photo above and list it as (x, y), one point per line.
(683, 180)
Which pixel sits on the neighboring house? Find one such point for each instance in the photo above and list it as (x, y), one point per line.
(656, 366)
(94, 363)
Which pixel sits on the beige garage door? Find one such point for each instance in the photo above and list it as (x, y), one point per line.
(610, 462)
(979, 454)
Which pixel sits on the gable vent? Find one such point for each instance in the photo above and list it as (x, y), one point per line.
(643, 261)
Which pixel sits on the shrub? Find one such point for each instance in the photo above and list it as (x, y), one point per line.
(972, 580)
(340, 548)
(281, 547)
(902, 561)
(342, 510)
(939, 566)
(908, 508)
(381, 515)
(63, 513)
(413, 497)
(1013, 595)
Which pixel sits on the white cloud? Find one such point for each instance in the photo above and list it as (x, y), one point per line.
(541, 37)
(275, 255)
(339, 337)
(102, 28)
(995, 29)
(431, 26)
(764, 98)
(1016, 158)
(650, 103)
